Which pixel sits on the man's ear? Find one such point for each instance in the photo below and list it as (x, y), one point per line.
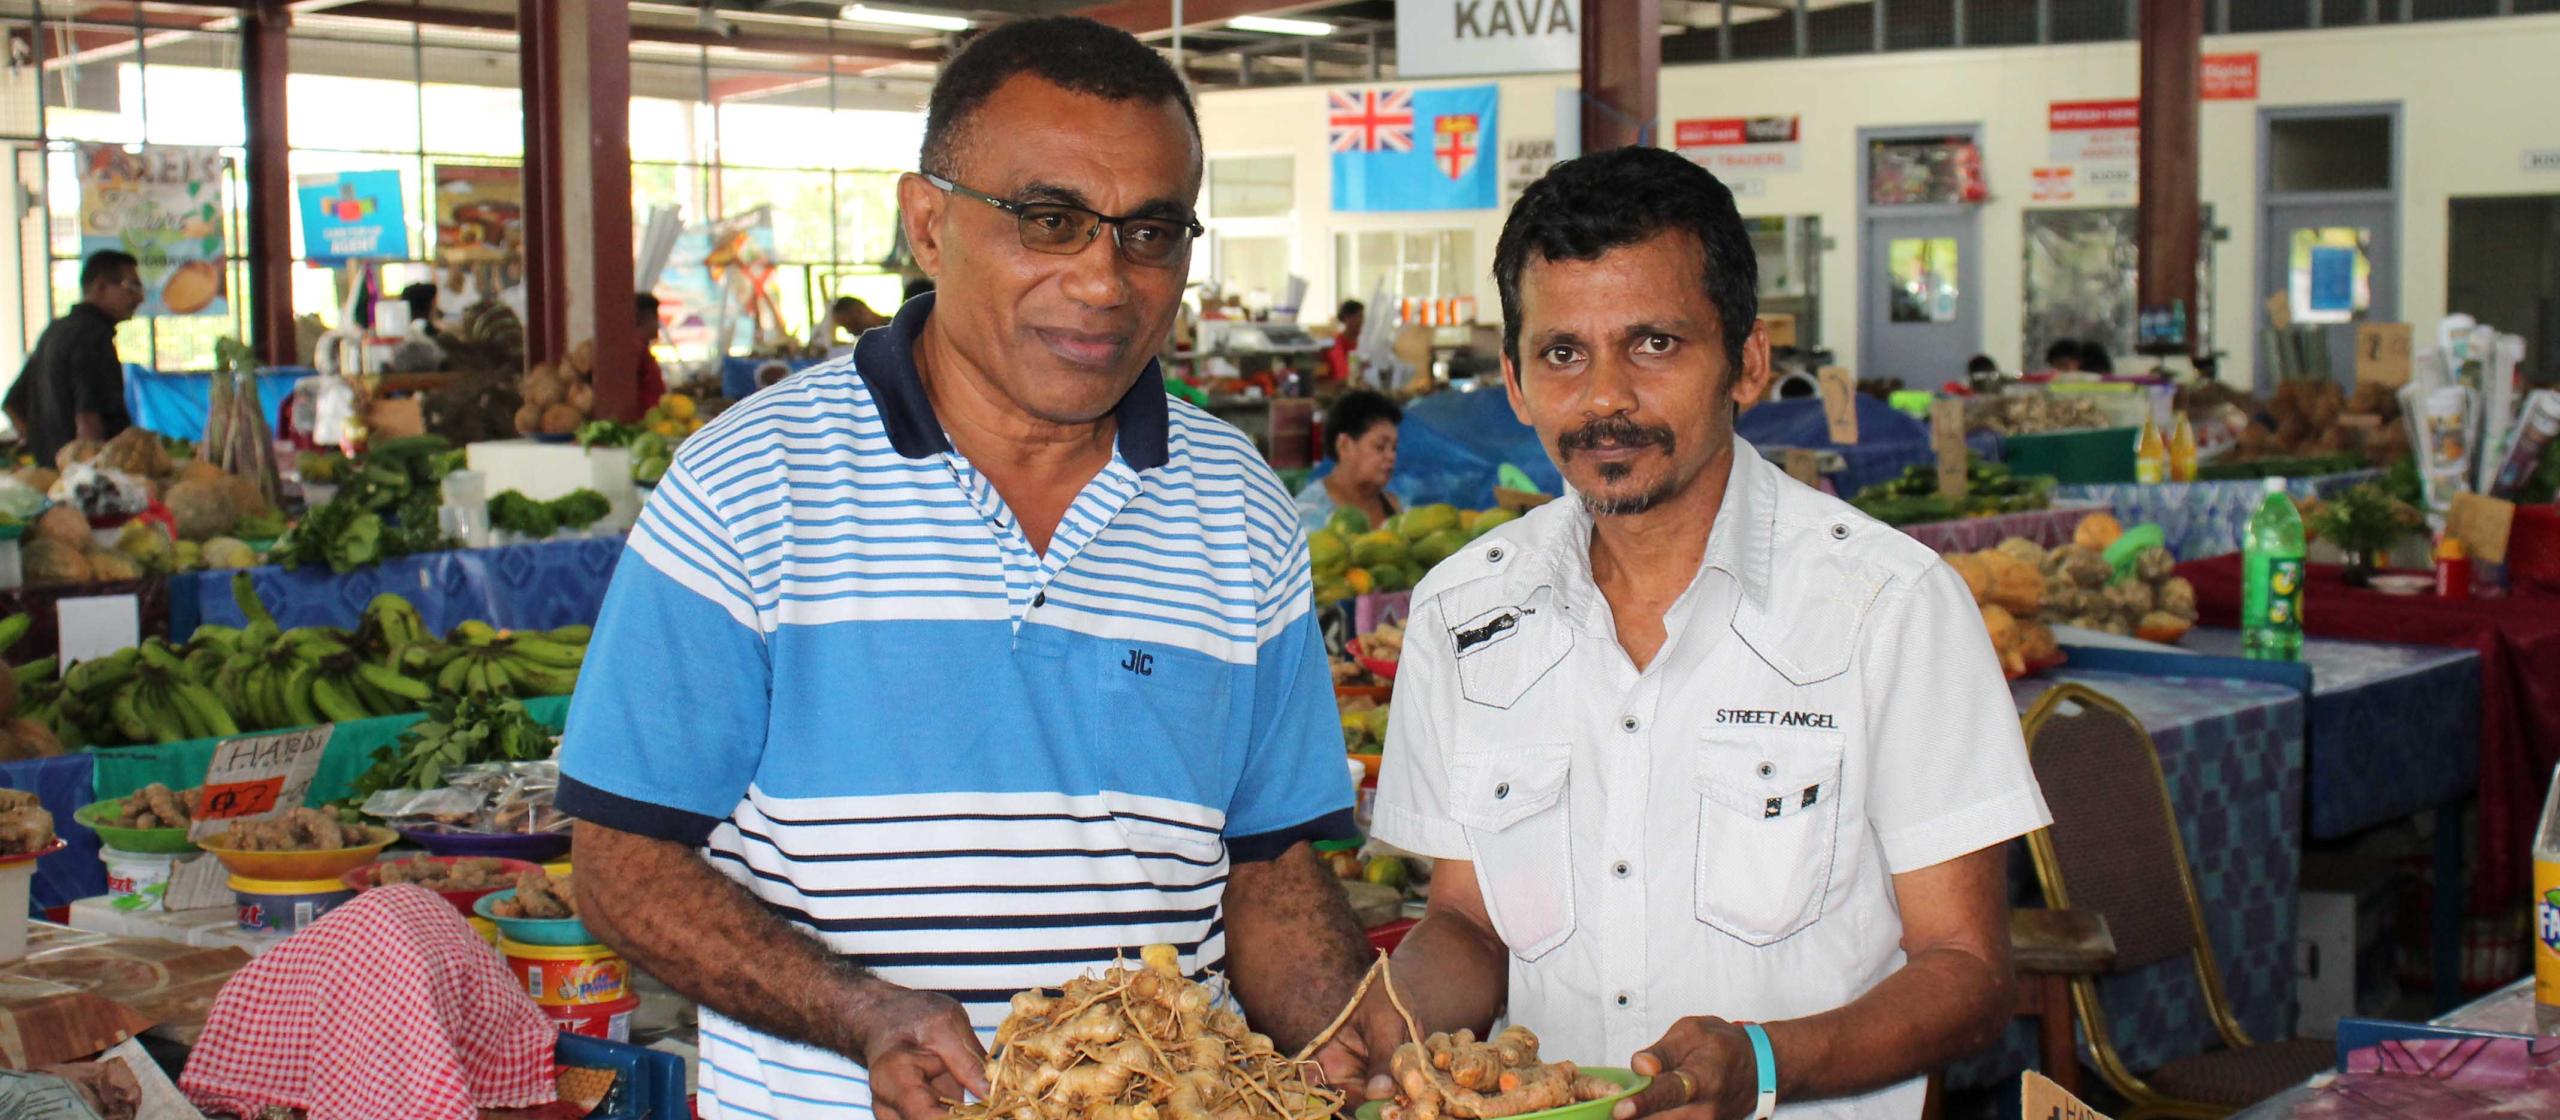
(1751, 382)
(1511, 388)
(920, 211)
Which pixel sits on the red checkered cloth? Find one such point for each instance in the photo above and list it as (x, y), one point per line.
(387, 1006)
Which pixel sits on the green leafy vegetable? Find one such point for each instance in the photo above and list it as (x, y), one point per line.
(514, 512)
(460, 731)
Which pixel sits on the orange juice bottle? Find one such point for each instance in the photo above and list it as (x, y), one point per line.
(2182, 451)
(2150, 454)
(2546, 914)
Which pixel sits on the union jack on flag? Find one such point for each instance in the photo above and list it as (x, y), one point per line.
(1370, 120)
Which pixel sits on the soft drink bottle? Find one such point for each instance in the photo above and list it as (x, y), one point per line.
(2546, 914)
(2150, 454)
(2182, 451)
(2271, 579)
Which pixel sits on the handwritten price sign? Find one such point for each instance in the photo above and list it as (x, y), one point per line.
(258, 776)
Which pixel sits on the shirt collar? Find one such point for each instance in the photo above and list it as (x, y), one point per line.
(1739, 544)
(886, 360)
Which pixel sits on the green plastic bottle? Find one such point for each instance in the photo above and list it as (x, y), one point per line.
(2271, 579)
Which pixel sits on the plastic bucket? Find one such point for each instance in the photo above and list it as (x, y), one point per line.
(609, 1021)
(567, 975)
(138, 881)
(488, 930)
(285, 905)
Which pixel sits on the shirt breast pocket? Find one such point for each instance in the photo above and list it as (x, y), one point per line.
(1512, 802)
(1768, 829)
(1163, 718)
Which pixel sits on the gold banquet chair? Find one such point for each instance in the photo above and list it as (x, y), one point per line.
(2114, 848)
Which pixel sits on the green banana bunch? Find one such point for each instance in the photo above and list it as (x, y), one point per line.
(484, 662)
(13, 628)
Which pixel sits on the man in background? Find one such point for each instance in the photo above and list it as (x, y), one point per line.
(653, 380)
(852, 317)
(73, 385)
(1337, 360)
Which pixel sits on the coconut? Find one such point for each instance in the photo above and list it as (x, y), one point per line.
(541, 388)
(204, 507)
(137, 452)
(583, 398)
(246, 497)
(561, 420)
(50, 562)
(147, 544)
(77, 451)
(62, 525)
(197, 470)
(38, 479)
(529, 419)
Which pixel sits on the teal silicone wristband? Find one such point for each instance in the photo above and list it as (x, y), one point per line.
(1765, 1061)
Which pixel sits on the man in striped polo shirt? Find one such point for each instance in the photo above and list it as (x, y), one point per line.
(969, 663)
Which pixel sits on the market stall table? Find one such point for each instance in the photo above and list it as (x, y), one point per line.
(2231, 751)
(537, 586)
(2518, 642)
(2508, 1010)
(2049, 528)
(2202, 518)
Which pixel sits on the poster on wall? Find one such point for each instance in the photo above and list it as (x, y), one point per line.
(1397, 148)
(352, 215)
(163, 204)
(479, 213)
(1464, 38)
(1525, 161)
(1741, 146)
(2095, 131)
(719, 271)
(2230, 77)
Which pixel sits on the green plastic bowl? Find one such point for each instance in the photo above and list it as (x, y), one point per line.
(159, 841)
(557, 932)
(1629, 1082)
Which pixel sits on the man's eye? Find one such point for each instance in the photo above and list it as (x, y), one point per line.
(1657, 344)
(1558, 355)
(1049, 221)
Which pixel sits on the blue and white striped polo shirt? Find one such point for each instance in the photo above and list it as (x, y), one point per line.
(830, 658)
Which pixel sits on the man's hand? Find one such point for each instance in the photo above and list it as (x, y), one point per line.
(1702, 1069)
(1356, 1060)
(920, 1050)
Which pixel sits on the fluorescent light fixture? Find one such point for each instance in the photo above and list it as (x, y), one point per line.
(894, 17)
(1270, 26)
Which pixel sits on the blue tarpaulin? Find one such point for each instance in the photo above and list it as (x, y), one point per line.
(1451, 444)
(1889, 441)
(176, 404)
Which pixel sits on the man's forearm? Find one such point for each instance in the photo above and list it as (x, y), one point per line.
(664, 908)
(1941, 1005)
(1294, 952)
(1451, 973)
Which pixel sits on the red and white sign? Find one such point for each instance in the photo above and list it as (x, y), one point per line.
(2056, 184)
(1741, 145)
(2095, 131)
(2231, 77)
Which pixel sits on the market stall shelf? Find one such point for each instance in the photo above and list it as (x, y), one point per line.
(2202, 518)
(67, 783)
(2518, 643)
(2049, 528)
(2232, 754)
(537, 586)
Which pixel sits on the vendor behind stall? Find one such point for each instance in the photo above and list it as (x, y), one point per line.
(1346, 341)
(72, 387)
(1360, 438)
(1719, 770)
(653, 380)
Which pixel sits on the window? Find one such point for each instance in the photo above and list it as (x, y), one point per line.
(1252, 186)
(1409, 264)
(2079, 279)
(1923, 279)
(1254, 269)
(2329, 274)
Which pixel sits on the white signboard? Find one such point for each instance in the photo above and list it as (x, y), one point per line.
(1741, 146)
(2542, 159)
(1456, 38)
(1525, 160)
(2095, 131)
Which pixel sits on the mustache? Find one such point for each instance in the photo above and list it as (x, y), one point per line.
(1613, 430)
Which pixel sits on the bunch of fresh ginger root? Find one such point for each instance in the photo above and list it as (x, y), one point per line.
(1151, 1044)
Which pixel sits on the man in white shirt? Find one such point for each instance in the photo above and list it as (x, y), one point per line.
(1719, 770)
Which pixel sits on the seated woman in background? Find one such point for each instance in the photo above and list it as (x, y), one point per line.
(1360, 438)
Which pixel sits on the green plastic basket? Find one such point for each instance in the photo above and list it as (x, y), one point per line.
(157, 841)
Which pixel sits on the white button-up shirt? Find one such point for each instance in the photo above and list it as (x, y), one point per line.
(1715, 834)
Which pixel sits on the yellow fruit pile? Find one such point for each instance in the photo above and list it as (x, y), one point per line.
(1350, 558)
(675, 416)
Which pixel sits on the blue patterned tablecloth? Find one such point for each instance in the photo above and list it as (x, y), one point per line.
(62, 785)
(2394, 730)
(535, 586)
(2202, 518)
(2232, 754)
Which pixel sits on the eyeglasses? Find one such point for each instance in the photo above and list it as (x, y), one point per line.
(1062, 230)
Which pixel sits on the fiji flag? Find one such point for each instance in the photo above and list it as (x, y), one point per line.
(1413, 149)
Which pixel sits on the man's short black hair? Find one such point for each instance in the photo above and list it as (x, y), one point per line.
(1585, 207)
(107, 264)
(842, 305)
(1982, 363)
(1352, 415)
(2062, 350)
(1349, 308)
(2094, 357)
(644, 307)
(1078, 54)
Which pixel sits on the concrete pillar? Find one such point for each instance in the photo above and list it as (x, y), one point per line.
(2170, 220)
(576, 58)
(1621, 68)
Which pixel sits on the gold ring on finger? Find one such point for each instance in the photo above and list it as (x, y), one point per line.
(1688, 1088)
